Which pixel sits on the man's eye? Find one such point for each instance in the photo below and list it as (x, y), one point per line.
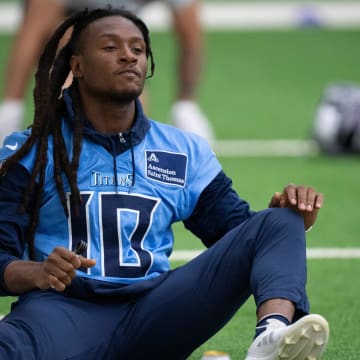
(138, 50)
(109, 48)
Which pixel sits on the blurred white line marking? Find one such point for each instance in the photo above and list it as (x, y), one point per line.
(312, 253)
(276, 147)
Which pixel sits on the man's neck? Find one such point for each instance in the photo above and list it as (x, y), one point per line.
(110, 117)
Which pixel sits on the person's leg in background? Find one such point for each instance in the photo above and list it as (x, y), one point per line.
(186, 113)
(39, 21)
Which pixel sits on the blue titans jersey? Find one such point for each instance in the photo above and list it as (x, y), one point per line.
(129, 199)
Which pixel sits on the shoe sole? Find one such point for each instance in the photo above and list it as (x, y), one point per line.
(305, 340)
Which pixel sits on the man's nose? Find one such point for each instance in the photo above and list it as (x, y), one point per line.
(127, 55)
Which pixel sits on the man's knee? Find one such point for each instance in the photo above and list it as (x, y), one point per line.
(277, 227)
(284, 218)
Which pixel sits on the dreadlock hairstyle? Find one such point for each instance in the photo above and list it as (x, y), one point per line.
(52, 71)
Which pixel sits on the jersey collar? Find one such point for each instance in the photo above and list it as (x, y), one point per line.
(116, 143)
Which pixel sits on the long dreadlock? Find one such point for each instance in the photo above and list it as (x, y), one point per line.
(52, 71)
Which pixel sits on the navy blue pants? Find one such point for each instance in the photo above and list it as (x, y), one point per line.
(264, 257)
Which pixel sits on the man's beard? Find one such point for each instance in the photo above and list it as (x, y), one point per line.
(125, 96)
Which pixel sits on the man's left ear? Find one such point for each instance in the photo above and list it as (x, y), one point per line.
(76, 66)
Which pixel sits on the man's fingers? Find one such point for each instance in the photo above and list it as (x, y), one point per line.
(58, 285)
(51, 281)
(303, 198)
(291, 193)
(319, 200)
(58, 273)
(65, 261)
(310, 199)
(86, 263)
(275, 200)
(314, 200)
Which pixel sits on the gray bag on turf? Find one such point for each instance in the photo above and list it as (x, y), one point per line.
(336, 126)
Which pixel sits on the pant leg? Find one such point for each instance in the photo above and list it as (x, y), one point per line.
(264, 257)
(46, 325)
(181, 313)
(279, 264)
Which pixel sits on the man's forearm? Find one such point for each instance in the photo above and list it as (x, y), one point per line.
(20, 276)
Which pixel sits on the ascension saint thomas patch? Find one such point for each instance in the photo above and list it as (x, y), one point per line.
(166, 167)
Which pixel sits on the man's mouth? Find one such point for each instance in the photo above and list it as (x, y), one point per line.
(128, 72)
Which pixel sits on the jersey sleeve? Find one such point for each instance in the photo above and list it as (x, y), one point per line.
(203, 166)
(13, 224)
(218, 210)
(12, 143)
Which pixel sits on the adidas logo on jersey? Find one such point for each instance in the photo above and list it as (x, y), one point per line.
(153, 157)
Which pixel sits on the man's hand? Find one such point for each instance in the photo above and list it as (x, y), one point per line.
(304, 200)
(58, 270)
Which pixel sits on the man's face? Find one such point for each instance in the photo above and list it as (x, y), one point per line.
(111, 61)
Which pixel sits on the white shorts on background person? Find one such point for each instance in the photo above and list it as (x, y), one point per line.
(132, 5)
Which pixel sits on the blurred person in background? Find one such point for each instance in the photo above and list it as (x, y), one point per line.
(40, 19)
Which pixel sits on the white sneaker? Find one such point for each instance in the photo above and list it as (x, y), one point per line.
(187, 115)
(306, 339)
(11, 117)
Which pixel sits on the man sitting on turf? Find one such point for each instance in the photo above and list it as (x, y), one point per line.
(94, 168)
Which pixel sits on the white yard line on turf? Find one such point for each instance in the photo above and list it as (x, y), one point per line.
(224, 15)
(276, 147)
(312, 253)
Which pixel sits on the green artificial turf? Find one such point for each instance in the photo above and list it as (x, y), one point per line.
(265, 85)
